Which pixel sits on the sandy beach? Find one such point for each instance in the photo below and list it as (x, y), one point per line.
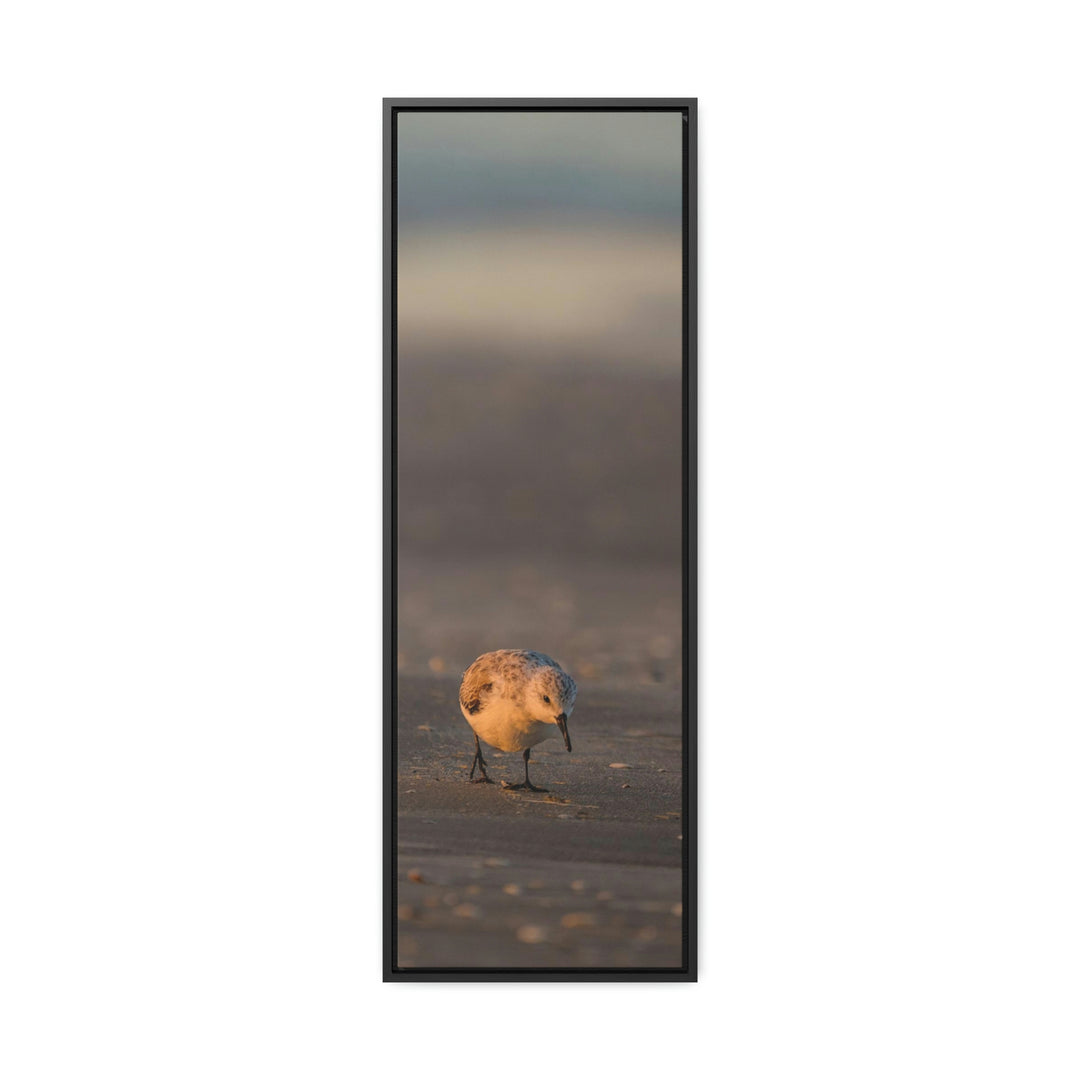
(539, 482)
(586, 875)
(548, 521)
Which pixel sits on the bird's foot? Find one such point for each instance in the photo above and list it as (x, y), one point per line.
(523, 786)
(481, 780)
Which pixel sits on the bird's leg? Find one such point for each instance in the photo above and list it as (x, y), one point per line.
(527, 785)
(478, 759)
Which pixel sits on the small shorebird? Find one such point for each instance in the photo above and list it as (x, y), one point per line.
(513, 699)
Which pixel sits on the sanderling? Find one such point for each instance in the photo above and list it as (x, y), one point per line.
(513, 699)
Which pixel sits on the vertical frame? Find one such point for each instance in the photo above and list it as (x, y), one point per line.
(687, 970)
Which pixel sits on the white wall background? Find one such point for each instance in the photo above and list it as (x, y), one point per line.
(189, 555)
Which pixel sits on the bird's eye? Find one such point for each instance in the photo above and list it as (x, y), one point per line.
(547, 699)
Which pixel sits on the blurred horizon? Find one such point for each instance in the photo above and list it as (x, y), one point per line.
(513, 168)
(551, 235)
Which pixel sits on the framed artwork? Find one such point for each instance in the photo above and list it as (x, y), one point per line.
(540, 563)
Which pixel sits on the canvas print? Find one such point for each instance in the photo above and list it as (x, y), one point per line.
(539, 782)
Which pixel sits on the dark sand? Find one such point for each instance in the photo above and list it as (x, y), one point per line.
(539, 508)
(511, 456)
(587, 875)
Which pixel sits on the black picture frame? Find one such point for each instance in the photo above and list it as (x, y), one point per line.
(688, 971)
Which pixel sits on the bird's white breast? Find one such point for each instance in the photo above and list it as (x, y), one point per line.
(509, 726)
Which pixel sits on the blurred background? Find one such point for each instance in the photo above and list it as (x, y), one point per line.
(539, 391)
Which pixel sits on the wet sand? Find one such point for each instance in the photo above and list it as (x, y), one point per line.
(585, 875)
(539, 508)
(611, 622)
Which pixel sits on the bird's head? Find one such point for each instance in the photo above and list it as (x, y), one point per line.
(551, 696)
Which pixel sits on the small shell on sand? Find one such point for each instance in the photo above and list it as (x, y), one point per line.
(466, 911)
(531, 935)
(415, 875)
(511, 889)
(619, 765)
(577, 918)
(577, 886)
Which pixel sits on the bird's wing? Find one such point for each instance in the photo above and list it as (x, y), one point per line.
(476, 686)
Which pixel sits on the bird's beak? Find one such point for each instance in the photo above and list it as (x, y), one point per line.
(561, 721)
